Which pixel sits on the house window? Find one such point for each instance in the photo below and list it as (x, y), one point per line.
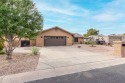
(76, 40)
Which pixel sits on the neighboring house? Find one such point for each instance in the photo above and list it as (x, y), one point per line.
(78, 39)
(108, 39)
(95, 37)
(111, 38)
(52, 37)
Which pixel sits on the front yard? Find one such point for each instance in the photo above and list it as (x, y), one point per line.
(21, 62)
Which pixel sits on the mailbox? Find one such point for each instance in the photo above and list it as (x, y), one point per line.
(119, 48)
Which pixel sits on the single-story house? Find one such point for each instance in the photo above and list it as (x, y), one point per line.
(55, 36)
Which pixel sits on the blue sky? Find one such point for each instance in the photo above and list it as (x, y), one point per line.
(77, 16)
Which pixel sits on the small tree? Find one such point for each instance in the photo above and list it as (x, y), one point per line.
(91, 31)
(18, 19)
(91, 41)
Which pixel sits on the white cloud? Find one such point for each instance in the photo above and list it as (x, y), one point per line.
(57, 21)
(62, 8)
(113, 11)
(45, 7)
(108, 17)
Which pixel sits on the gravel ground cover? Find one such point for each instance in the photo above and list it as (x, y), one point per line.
(102, 49)
(21, 62)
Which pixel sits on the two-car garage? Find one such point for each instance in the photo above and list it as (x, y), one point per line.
(54, 37)
(54, 40)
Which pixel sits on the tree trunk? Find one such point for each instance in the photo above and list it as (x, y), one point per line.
(8, 54)
(9, 49)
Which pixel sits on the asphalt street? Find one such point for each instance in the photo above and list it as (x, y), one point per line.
(114, 74)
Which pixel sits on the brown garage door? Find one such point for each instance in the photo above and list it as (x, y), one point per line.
(54, 40)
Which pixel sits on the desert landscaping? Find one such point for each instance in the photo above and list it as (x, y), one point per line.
(20, 63)
(102, 49)
(24, 62)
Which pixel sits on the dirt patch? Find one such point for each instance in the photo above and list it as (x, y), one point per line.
(20, 63)
(102, 49)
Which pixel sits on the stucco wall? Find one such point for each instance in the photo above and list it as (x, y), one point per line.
(54, 32)
(32, 42)
(118, 49)
(16, 43)
(80, 41)
(114, 38)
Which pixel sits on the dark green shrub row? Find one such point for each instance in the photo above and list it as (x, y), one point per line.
(2, 52)
(87, 42)
(90, 42)
(1, 45)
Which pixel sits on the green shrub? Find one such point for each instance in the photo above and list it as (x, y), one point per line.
(2, 52)
(92, 43)
(88, 42)
(35, 50)
(1, 46)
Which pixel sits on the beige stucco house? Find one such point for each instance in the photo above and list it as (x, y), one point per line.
(53, 37)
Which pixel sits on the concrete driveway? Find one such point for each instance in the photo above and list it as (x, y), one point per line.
(64, 56)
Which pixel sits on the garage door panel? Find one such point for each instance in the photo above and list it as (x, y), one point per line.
(54, 41)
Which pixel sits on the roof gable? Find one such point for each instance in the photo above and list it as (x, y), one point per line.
(56, 27)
